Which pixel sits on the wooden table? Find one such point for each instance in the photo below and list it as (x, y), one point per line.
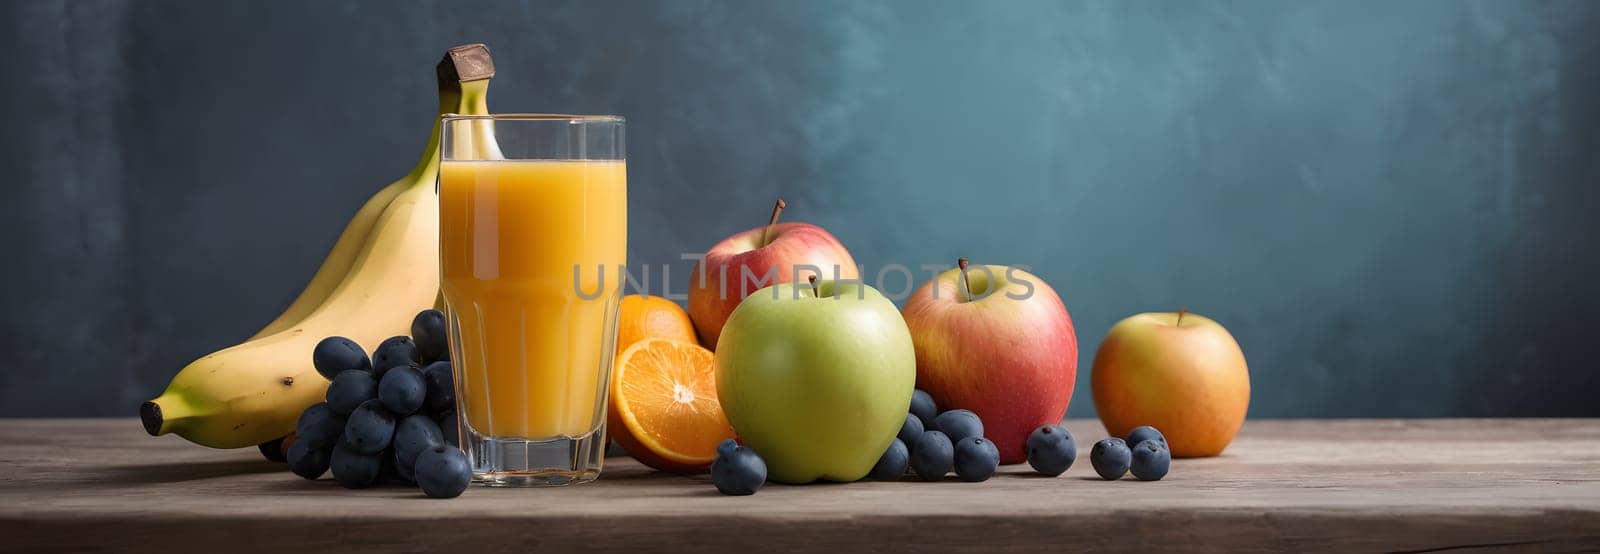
(1345, 485)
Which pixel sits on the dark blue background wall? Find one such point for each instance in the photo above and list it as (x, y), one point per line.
(1390, 204)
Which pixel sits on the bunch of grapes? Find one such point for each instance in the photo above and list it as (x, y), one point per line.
(387, 419)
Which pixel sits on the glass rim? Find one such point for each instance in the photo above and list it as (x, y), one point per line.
(570, 118)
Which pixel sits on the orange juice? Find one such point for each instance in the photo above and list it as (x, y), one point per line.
(530, 349)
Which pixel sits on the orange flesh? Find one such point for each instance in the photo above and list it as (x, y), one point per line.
(666, 394)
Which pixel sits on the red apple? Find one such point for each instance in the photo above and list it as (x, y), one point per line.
(758, 258)
(1002, 346)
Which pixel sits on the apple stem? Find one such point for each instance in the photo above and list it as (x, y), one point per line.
(965, 287)
(766, 236)
(1181, 311)
(813, 280)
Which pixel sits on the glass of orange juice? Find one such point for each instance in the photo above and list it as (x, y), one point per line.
(533, 229)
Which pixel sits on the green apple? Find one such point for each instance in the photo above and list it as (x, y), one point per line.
(816, 380)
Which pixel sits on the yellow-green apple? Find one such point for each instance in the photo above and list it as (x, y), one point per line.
(816, 378)
(998, 341)
(753, 259)
(1179, 372)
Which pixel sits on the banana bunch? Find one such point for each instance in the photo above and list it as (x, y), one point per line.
(381, 272)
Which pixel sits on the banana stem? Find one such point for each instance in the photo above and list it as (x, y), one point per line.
(463, 76)
(466, 70)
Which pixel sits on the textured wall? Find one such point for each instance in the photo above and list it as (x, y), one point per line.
(1390, 204)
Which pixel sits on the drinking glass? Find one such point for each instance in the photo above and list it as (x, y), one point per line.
(533, 225)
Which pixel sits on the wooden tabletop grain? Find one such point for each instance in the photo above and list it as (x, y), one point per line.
(1342, 485)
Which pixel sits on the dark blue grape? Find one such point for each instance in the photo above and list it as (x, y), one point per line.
(428, 331)
(1144, 433)
(443, 472)
(318, 426)
(441, 384)
(923, 406)
(1110, 458)
(1051, 450)
(892, 464)
(977, 459)
(394, 352)
(414, 435)
(911, 430)
(335, 354)
(449, 428)
(402, 390)
(741, 472)
(349, 389)
(354, 470)
(932, 456)
(306, 461)
(1151, 460)
(370, 429)
(959, 424)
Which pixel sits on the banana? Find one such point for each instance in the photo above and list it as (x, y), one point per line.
(338, 262)
(254, 392)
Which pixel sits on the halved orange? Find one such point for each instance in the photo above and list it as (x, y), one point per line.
(664, 409)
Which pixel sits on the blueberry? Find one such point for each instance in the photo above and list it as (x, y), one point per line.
(449, 428)
(932, 456)
(726, 446)
(923, 406)
(1151, 460)
(370, 428)
(911, 429)
(336, 354)
(414, 435)
(402, 390)
(441, 385)
(977, 459)
(318, 426)
(959, 424)
(1144, 433)
(1110, 458)
(1051, 450)
(443, 472)
(741, 472)
(272, 450)
(891, 465)
(349, 389)
(354, 470)
(428, 330)
(394, 352)
(306, 461)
